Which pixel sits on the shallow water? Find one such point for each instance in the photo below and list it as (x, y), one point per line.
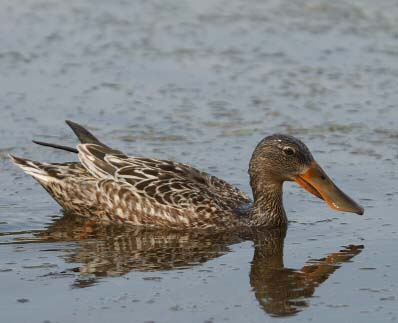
(202, 83)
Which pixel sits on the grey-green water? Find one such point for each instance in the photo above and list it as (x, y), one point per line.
(202, 82)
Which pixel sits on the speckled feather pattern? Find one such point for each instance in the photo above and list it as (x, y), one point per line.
(108, 185)
(139, 191)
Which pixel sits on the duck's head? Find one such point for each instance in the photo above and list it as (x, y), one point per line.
(280, 158)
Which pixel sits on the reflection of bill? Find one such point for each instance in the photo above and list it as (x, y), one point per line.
(282, 291)
(113, 250)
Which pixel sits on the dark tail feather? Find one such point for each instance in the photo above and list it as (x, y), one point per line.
(84, 135)
(73, 150)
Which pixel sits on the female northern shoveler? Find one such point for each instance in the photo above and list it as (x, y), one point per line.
(109, 185)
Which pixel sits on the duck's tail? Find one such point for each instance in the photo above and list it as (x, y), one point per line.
(64, 183)
(37, 170)
(85, 137)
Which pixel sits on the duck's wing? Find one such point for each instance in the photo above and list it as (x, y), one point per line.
(166, 182)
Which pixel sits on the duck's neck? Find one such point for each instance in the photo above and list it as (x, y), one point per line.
(268, 208)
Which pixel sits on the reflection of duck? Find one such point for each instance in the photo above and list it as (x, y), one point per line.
(282, 291)
(114, 250)
(110, 185)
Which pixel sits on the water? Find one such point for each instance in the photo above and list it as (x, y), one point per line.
(202, 83)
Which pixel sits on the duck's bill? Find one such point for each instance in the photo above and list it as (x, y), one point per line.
(315, 181)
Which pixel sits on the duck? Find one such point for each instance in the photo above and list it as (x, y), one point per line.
(109, 185)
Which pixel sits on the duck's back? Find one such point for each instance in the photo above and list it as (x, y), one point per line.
(112, 186)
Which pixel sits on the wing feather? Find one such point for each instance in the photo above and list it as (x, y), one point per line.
(92, 157)
(164, 182)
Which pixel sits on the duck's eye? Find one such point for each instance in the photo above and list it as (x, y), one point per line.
(288, 151)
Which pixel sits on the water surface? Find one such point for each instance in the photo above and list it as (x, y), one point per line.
(202, 83)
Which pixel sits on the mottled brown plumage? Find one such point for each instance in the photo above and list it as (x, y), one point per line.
(111, 186)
